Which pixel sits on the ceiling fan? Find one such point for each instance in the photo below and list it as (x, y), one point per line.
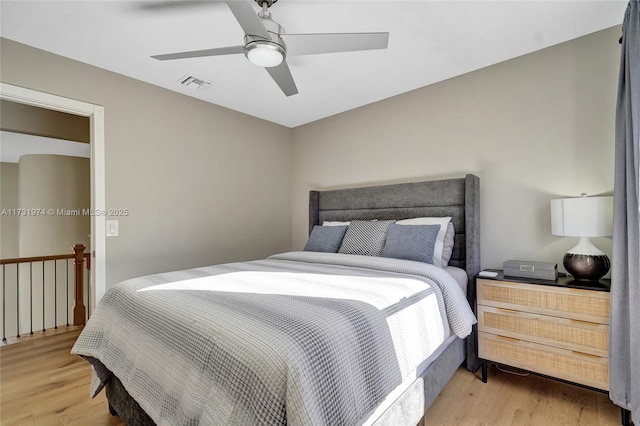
(267, 45)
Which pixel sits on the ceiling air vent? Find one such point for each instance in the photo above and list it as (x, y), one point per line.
(194, 83)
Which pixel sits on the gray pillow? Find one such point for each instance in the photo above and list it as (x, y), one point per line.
(325, 238)
(411, 242)
(365, 237)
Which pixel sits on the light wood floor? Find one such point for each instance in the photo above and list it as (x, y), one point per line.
(509, 399)
(42, 384)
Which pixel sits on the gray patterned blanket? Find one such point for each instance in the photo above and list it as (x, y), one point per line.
(298, 338)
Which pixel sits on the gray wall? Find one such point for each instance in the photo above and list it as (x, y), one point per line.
(44, 181)
(203, 184)
(21, 118)
(53, 182)
(534, 128)
(9, 224)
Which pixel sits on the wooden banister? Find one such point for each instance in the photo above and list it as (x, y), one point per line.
(36, 259)
(79, 310)
(43, 259)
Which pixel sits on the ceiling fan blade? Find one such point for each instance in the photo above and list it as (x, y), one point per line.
(200, 53)
(248, 18)
(311, 44)
(283, 78)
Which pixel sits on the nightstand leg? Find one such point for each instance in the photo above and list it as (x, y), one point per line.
(626, 417)
(484, 372)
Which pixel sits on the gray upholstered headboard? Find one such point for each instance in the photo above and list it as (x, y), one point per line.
(458, 198)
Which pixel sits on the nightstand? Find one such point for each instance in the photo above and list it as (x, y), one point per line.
(558, 329)
(547, 327)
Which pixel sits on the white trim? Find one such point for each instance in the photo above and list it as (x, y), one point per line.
(98, 193)
(98, 224)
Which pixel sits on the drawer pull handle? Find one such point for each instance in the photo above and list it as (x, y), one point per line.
(508, 310)
(584, 322)
(508, 338)
(586, 354)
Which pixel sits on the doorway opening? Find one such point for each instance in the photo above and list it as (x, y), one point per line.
(95, 114)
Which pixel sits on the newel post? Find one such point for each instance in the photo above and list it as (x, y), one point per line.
(79, 310)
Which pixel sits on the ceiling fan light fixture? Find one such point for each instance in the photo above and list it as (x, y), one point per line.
(265, 53)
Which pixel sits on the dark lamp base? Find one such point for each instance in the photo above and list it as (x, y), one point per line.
(585, 267)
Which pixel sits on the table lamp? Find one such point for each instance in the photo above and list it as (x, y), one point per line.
(584, 217)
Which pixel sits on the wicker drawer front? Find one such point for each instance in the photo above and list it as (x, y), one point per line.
(564, 333)
(591, 306)
(573, 366)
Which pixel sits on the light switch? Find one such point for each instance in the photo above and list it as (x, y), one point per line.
(112, 228)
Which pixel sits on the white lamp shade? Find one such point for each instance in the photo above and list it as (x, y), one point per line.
(582, 217)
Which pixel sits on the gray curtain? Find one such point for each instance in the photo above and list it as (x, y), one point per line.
(624, 350)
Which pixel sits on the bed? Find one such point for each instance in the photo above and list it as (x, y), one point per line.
(302, 337)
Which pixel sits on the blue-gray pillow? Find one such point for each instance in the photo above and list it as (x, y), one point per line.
(365, 237)
(325, 238)
(411, 242)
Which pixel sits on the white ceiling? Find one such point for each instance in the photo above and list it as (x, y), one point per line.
(429, 41)
(15, 145)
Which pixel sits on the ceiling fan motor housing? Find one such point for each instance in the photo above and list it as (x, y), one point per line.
(268, 2)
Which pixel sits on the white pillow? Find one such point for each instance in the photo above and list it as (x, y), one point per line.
(335, 223)
(449, 240)
(438, 248)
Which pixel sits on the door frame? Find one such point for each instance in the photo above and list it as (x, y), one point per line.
(96, 119)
